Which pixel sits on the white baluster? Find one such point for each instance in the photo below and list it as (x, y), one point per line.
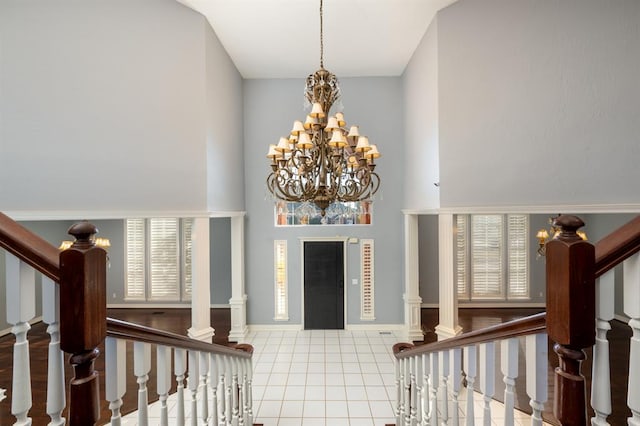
(399, 391)
(115, 376)
(204, 386)
(455, 358)
(21, 297)
(406, 397)
(56, 399)
(235, 417)
(222, 390)
(434, 381)
(509, 364)
(487, 378)
(471, 370)
(179, 369)
(601, 373)
(163, 374)
(424, 361)
(194, 382)
(419, 388)
(241, 390)
(413, 399)
(228, 381)
(249, 410)
(213, 384)
(141, 368)
(537, 374)
(444, 386)
(632, 310)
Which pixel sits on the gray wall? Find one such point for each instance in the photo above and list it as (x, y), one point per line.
(271, 106)
(539, 102)
(536, 104)
(420, 91)
(225, 171)
(138, 97)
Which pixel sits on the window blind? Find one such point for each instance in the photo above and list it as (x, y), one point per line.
(164, 272)
(280, 263)
(187, 271)
(517, 232)
(462, 281)
(135, 264)
(486, 256)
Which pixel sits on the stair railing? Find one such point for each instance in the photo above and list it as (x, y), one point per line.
(75, 311)
(428, 377)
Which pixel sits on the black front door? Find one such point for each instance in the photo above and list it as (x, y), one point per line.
(323, 285)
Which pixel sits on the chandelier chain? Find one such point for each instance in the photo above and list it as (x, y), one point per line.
(321, 39)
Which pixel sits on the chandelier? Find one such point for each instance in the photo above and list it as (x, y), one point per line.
(321, 161)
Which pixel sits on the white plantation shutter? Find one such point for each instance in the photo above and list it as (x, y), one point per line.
(486, 256)
(367, 277)
(280, 264)
(517, 232)
(462, 280)
(187, 271)
(492, 255)
(164, 271)
(135, 264)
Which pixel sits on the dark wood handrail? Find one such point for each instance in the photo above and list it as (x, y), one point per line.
(521, 327)
(140, 333)
(29, 247)
(619, 245)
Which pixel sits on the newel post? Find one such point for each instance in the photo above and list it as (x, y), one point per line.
(570, 316)
(83, 311)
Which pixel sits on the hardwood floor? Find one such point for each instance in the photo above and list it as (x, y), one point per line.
(179, 320)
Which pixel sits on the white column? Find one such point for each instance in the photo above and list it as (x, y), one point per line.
(412, 300)
(448, 302)
(201, 285)
(238, 301)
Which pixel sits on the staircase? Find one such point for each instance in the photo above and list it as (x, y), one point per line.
(434, 383)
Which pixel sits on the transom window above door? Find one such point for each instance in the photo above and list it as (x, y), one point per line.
(339, 213)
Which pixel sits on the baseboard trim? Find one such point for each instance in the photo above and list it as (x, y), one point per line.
(161, 306)
(31, 322)
(374, 327)
(274, 327)
(491, 305)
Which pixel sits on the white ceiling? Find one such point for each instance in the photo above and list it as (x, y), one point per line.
(280, 38)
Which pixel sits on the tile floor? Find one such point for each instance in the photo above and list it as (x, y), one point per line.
(327, 378)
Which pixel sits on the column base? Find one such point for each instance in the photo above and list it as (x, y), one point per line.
(413, 318)
(239, 329)
(445, 332)
(204, 334)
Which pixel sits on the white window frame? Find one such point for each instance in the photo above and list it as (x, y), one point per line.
(514, 254)
(144, 264)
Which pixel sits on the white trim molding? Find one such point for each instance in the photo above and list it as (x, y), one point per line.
(115, 214)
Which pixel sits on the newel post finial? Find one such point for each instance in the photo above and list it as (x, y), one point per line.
(83, 313)
(570, 263)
